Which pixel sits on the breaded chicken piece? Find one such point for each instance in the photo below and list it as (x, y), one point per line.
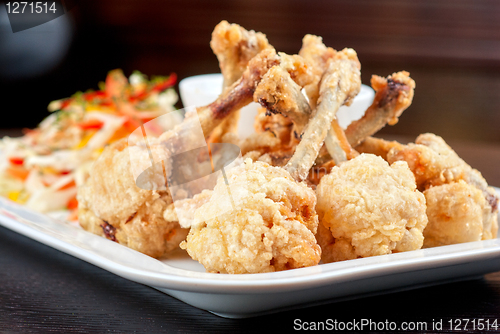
(320, 57)
(377, 146)
(318, 54)
(183, 210)
(431, 160)
(279, 94)
(120, 192)
(234, 46)
(457, 212)
(113, 206)
(271, 227)
(369, 208)
(278, 125)
(339, 86)
(393, 95)
(434, 163)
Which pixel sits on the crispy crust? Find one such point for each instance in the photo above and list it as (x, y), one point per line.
(113, 206)
(369, 208)
(272, 229)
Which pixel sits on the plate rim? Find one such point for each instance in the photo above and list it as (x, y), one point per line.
(173, 278)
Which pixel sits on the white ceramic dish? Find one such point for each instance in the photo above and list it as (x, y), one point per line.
(239, 296)
(203, 89)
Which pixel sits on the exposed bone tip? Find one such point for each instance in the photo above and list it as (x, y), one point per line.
(404, 78)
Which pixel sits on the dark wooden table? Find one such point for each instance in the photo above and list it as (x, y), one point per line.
(43, 290)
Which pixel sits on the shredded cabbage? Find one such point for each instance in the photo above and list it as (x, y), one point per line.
(43, 168)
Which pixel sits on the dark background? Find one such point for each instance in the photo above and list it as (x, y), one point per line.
(451, 48)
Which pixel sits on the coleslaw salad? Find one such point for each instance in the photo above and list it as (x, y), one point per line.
(43, 168)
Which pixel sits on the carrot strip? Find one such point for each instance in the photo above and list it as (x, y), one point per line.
(18, 173)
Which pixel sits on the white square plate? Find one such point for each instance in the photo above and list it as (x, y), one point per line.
(248, 295)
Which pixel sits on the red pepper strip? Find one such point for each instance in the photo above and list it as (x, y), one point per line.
(131, 124)
(138, 97)
(165, 84)
(161, 86)
(16, 161)
(68, 185)
(91, 124)
(106, 103)
(87, 96)
(92, 95)
(66, 102)
(72, 203)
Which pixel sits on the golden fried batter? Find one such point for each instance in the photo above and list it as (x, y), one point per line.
(234, 46)
(435, 164)
(110, 198)
(186, 208)
(377, 146)
(281, 95)
(271, 229)
(113, 206)
(314, 51)
(278, 125)
(431, 160)
(369, 208)
(457, 212)
(394, 95)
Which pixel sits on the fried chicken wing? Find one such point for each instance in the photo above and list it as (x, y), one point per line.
(339, 85)
(240, 93)
(111, 205)
(377, 146)
(272, 229)
(458, 212)
(234, 47)
(314, 51)
(111, 202)
(435, 164)
(279, 94)
(279, 125)
(367, 208)
(274, 224)
(320, 56)
(394, 95)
